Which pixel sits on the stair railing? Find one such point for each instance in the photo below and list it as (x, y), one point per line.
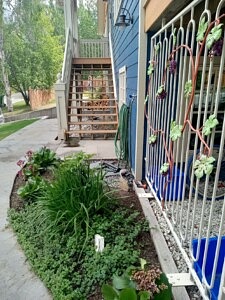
(62, 87)
(98, 48)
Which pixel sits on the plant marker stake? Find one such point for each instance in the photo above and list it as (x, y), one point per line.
(99, 243)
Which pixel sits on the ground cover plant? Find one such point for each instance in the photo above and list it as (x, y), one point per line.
(9, 128)
(56, 229)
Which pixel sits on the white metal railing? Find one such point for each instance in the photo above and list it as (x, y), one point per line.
(94, 48)
(193, 208)
(68, 55)
(62, 87)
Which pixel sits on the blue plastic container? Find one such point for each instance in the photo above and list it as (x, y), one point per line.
(209, 262)
(172, 187)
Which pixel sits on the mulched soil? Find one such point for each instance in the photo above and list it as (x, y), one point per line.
(127, 199)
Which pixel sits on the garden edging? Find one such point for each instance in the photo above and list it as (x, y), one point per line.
(165, 258)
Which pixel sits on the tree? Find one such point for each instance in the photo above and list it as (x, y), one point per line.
(34, 51)
(87, 18)
(5, 78)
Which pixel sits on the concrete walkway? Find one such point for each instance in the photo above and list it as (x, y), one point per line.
(17, 281)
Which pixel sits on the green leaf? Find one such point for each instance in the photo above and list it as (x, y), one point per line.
(121, 282)
(156, 47)
(150, 68)
(188, 88)
(143, 262)
(201, 30)
(203, 166)
(210, 123)
(109, 292)
(214, 35)
(146, 99)
(160, 89)
(128, 294)
(174, 37)
(175, 131)
(144, 295)
(164, 168)
(152, 139)
(165, 288)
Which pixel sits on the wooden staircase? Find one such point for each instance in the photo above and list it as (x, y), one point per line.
(92, 109)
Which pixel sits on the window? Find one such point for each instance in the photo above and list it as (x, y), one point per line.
(122, 86)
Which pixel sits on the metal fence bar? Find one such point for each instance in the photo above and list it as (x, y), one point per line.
(195, 215)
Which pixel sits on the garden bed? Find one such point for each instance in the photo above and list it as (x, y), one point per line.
(68, 263)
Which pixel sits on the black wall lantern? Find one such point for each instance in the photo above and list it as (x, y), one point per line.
(124, 19)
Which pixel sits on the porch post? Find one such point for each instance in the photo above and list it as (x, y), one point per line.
(141, 87)
(60, 90)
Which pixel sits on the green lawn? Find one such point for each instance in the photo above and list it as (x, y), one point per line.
(9, 128)
(18, 108)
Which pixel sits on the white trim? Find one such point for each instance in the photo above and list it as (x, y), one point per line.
(122, 85)
(141, 86)
(117, 5)
(113, 66)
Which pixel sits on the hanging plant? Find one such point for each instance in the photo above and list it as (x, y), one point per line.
(172, 66)
(161, 93)
(203, 166)
(210, 123)
(214, 35)
(174, 37)
(156, 47)
(203, 25)
(175, 131)
(188, 88)
(151, 67)
(152, 139)
(217, 48)
(164, 169)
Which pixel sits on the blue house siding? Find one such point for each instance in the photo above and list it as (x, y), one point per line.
(125, 53)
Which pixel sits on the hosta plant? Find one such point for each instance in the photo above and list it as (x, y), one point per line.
(138, 284)
(33, 189)
(35, 163)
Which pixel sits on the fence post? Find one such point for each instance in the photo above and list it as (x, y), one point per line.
(61, 107)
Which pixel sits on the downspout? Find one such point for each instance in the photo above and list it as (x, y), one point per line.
(141, 87)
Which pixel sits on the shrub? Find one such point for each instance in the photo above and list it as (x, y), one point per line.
(77, 193)
(32, 189)
(36, 163)
(57, 258)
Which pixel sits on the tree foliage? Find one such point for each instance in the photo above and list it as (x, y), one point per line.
(88, 20)
(33, 46)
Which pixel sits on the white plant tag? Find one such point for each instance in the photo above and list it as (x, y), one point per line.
(99, 243)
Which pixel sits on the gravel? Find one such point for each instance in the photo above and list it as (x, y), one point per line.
(173, 213)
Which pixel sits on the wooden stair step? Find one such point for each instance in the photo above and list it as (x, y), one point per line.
(91, 115)
(91, 100)
(96, 122)
(99, 93)
(92, 107)
(91, 131)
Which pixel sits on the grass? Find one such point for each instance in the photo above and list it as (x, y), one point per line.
(9, 128)
(18, 108)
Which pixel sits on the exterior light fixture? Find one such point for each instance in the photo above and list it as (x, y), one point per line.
(124, 19)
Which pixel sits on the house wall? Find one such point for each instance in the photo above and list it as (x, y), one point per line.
(125, 53)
